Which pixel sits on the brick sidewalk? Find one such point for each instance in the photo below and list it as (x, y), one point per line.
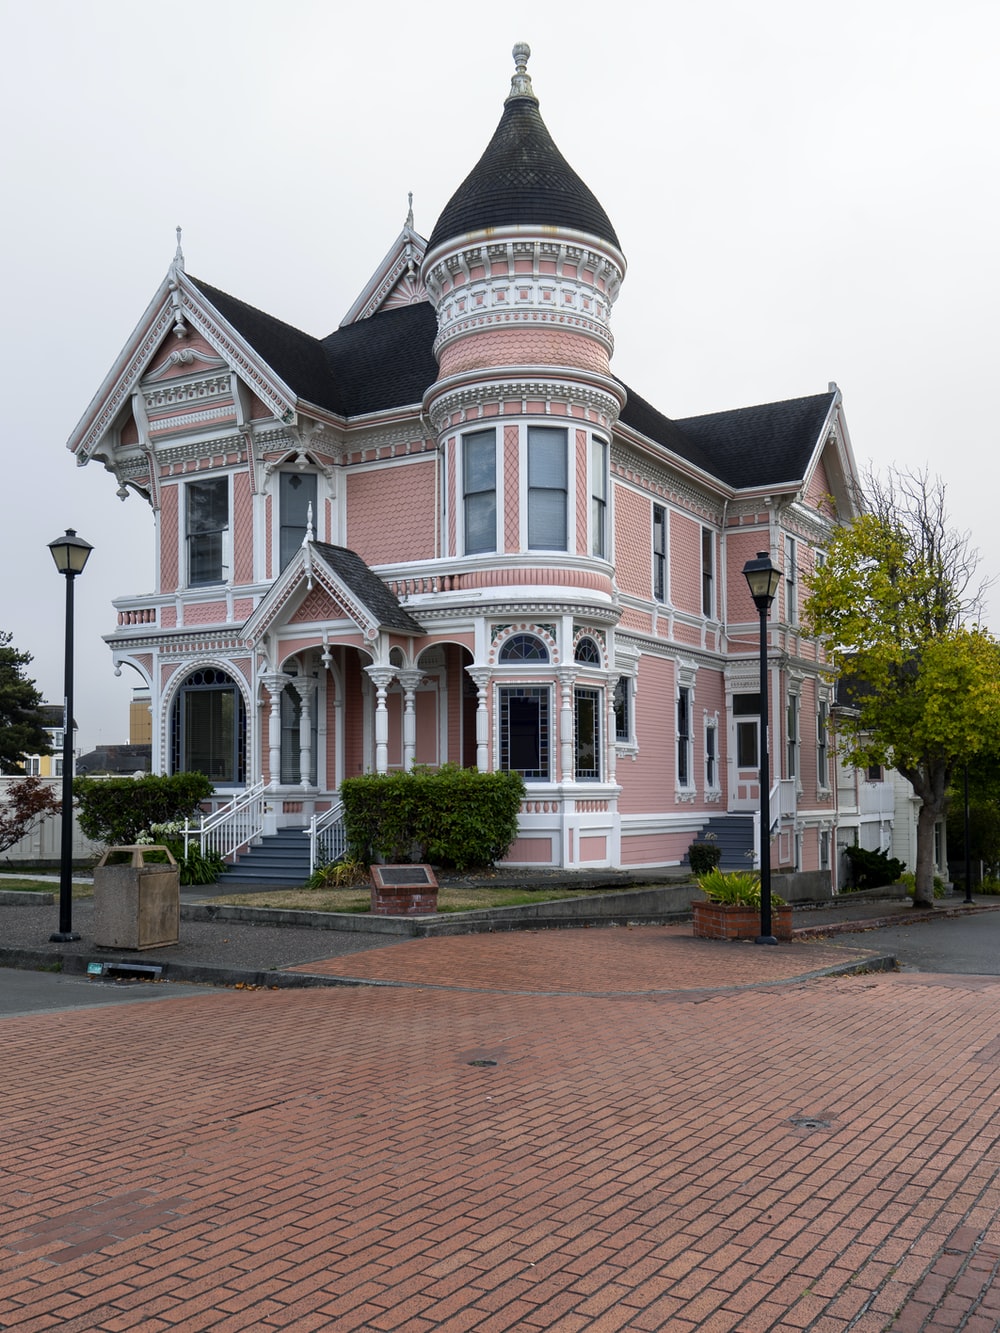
(814, 1156)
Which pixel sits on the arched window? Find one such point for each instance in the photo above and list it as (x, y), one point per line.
(209, 728)
(524, 648)
(588, 652)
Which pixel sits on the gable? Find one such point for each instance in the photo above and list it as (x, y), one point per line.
(396, 282)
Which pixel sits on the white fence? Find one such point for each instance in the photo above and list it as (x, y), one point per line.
(44, 843)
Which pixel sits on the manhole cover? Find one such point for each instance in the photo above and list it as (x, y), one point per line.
(809, 1122)
(482, 1064)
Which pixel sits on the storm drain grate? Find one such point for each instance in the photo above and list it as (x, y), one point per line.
(482, 1064)
(810, 1122)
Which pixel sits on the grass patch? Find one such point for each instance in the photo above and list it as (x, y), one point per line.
(45, 886)
(359, 900)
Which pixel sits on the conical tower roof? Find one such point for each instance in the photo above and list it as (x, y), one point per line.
(522, 179)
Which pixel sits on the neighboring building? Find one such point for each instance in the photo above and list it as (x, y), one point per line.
(140, 719)
(448, 532)
(116, 760)
(50, 765)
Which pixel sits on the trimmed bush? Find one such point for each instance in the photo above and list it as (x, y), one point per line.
(871, 870)
(454, 817)
(117, 811)
(703, 857)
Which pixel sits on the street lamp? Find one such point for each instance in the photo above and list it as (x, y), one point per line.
(762, 579)
(70, 554)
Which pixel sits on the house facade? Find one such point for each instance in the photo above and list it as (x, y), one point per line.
(448, 533)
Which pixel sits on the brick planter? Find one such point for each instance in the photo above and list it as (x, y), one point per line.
(728, 921)
(404, 902)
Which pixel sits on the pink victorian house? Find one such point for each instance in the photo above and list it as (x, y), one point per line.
(447, 532)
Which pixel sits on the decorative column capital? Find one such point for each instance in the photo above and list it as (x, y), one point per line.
(274, 682)
(410, 678)
(480, 676)
(381, 676)
(304, 686)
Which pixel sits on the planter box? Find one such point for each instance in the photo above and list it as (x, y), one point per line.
(727, 921)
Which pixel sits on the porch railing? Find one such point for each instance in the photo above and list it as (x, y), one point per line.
(327, 836)
(233, 826)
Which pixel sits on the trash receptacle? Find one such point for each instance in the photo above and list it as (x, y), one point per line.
(136, 906)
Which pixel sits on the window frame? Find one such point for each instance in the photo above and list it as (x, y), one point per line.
(708, 573)
(538, 514)
(599, 491)
(469, 496)
(793, 727)
(659, 556)
(822, 745)
(542, 696)
(587, 694)
(685, 736)
(791, 580)
(712, 769)
(220, 534)
(623, 703)
(301, 528)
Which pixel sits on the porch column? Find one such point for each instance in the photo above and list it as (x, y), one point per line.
(305, 688)
(567, 676)
(480, 677)
(381, 678)
(274, 682)
(409, 680)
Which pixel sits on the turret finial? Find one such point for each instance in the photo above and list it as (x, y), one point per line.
(409, 216)
(179, 253)
(520, 84)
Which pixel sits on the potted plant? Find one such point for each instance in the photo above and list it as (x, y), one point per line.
(731, 908)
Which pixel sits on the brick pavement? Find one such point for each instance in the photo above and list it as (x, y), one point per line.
(806, 1157)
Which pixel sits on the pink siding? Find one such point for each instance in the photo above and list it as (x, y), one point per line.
(426, 702)
(649, 777)
(268, 520)
(685, 563)
(453, 498)
(818, 490)
(530, 851)
(742, 546)
(353, 716)
(511, 489)
(391, 513)
(633, 542)
(242, 529)
(533, 346)
(593, 849)
(169, 576)
(205, 613)
(582, 495)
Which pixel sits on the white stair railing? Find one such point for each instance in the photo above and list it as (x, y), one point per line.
(233, 826)
(327, 836)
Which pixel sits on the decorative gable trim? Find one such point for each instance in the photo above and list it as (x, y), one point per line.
(397, 279)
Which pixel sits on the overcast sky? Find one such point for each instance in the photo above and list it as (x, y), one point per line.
(804, 192)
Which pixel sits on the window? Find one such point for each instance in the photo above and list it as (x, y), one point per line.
(824, 849)
(822, 766)
(525, 731)
(296, 495)
(32, 765)
(707, 572)
(792, 737)
(57, 766)
(291, 740)
(873, 773)
(208, 727)
(479, 488)
(746, 711)
(598, 498)
(623, 710)
(712, 755)
(207, 523)
(791, 581)
(587, 740)
(588, 652)
(684, 737)
(659, 553)
(547, 488)
(523, 648)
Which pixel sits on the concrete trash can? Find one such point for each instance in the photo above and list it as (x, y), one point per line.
(136, 906)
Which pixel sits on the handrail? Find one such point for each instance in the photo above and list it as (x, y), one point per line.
(327, 836)
(232, 826)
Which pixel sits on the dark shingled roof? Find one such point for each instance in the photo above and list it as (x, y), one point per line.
(373, 365)
(748, 446)
(522, 178)
(368, 588)
(387, 361)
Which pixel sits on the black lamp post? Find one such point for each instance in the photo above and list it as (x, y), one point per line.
(762, 579)
(70, 554)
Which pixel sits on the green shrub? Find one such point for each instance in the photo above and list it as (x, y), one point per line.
(735, 887)
(910, 880)
(116, 811)
(455, 817)
(871, 870)
(704, 856)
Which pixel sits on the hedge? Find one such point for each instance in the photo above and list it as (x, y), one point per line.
(452, 817)
(116, 811)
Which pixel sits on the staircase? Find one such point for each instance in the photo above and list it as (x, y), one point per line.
(734, 834)
(282, 858)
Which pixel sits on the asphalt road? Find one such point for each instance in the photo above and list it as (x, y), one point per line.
(966, 945)
(44, 992)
